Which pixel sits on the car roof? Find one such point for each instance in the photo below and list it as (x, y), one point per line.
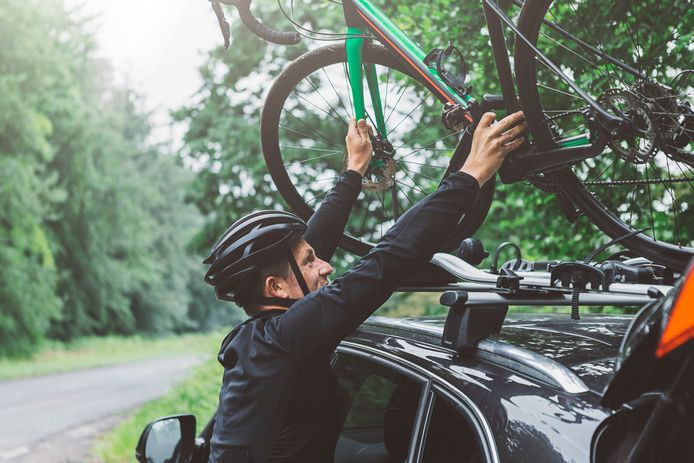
(587, 347)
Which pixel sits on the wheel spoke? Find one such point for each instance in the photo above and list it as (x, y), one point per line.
(408, 115)
(366, 214)
(324, 111)
(428, 144)
(674, 205)
(337, 94)
(434, 121)
(415, 185)
(422, 164)
(320, 135)
(650, 206)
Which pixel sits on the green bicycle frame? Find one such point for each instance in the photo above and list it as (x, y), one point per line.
(364, 20)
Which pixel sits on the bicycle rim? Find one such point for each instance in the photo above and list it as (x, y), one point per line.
(641, 181)
(303, 130)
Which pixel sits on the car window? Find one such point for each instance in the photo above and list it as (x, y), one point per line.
(450, 436)
(379, 409)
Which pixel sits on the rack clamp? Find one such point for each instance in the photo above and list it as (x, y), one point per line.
(508, 279)
(578, 276)
(466, 324)
(508, 284)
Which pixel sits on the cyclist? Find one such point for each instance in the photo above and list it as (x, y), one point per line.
(279, 400)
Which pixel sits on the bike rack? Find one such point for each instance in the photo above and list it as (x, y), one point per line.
(536, 282)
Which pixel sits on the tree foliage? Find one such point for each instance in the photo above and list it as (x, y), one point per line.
(94, 226)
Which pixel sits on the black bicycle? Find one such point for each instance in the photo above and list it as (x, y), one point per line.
(606, 88)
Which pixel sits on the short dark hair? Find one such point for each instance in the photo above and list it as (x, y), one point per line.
(278, 267)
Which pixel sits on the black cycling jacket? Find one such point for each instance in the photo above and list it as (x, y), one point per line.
(279, 400)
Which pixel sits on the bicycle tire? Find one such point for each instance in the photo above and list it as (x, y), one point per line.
(298, 71)
(675, 256)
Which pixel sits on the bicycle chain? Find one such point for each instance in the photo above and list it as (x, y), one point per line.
(659, 181)
(611, 182)
(565, 113)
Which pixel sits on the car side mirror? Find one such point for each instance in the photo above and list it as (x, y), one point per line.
(167, 440)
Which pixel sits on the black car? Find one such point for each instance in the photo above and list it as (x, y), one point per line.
(483, 385)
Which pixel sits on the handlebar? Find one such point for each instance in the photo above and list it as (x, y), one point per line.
(255, 26)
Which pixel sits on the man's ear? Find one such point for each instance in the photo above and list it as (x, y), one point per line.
(275, 287)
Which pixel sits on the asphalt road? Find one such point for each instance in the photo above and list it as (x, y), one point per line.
(32, 410)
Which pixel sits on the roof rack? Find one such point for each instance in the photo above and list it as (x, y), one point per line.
(478, 302)
(535, 281)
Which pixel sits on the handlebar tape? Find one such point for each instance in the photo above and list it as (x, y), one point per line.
(264, 32)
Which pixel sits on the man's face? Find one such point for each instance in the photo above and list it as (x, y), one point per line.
(314, 270)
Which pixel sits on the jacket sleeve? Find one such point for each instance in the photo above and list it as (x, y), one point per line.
(327, 224)
(320, 320)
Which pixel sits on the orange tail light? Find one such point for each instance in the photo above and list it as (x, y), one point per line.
(680, 326)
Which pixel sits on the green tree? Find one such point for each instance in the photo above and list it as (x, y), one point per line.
(28, 274)
(94, 226)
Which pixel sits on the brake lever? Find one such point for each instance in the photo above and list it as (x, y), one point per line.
(223, 24)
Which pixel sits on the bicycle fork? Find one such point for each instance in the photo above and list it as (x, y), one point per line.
(357, 70)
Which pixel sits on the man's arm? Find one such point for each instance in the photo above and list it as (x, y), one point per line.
(320, 320)
(326, 226)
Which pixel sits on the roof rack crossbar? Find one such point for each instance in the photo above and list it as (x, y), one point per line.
(471, 274)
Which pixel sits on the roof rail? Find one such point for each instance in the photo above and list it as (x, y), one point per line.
(532, 364)
(521, 360)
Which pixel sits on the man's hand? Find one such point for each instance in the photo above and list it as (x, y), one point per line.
(358, 146)
(491, 143)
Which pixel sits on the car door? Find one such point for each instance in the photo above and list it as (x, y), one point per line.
(449, 433)
(381, 402)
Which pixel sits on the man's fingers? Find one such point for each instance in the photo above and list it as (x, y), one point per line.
(515, 132)
(507, 122)
(363, 129)
(513, 145)
(352, 125)
(487, 119)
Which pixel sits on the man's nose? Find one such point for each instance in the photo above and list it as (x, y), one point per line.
(326, 268)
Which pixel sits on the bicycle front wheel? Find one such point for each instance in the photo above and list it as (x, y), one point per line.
(303, 128)
(634, 58)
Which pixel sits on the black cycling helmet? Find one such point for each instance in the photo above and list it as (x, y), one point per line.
(245, 247)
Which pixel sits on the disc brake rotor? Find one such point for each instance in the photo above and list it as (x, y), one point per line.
(380, 175)
(673, 115)
(639, 146)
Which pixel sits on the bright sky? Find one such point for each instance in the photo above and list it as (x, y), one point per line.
(157, 45)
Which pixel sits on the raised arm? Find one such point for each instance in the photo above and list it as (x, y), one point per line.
(326, 226)
(321, 319)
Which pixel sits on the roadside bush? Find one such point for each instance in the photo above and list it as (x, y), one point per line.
(197, 394)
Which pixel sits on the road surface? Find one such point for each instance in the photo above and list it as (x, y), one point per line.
(34, 410)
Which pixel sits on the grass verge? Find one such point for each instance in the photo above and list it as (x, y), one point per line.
(90, 352)
(197, 394)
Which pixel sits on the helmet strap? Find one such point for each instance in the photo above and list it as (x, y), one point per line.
(261, 300)
(297, 272)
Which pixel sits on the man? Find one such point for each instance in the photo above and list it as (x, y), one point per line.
(279, 400)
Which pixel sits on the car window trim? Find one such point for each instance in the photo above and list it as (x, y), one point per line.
(414, 371)
(421, 424)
